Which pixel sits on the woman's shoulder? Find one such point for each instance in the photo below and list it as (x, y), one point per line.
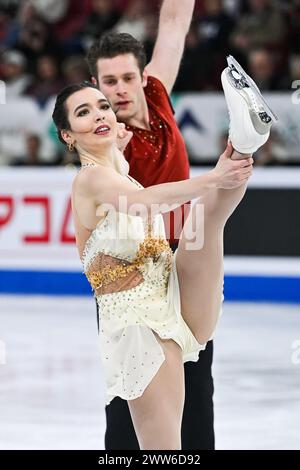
(87, 178)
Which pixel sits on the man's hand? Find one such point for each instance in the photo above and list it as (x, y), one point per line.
(123, 136)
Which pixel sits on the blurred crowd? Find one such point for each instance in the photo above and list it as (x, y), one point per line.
(43, 42)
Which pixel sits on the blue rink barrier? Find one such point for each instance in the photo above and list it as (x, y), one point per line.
(237, 288)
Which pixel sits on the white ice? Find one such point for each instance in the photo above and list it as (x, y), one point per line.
(51, 386)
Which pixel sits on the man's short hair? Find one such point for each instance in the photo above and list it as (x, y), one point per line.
(113, 44)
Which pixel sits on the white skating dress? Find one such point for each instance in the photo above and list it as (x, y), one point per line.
(132, 271)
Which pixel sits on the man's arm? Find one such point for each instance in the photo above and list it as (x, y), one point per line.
(174, 23)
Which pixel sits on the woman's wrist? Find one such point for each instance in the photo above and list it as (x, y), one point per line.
(212, 178)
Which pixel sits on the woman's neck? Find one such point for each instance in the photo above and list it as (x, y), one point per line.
(113, 158)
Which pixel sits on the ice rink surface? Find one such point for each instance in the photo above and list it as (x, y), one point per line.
(51, 387)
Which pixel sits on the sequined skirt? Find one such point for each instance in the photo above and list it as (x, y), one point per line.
(130, 352)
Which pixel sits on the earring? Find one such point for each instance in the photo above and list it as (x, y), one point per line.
(71, 146)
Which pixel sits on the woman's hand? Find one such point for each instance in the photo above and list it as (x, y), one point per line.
(123, 136)
(230, 173)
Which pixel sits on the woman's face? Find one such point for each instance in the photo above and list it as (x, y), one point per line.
(92, 121)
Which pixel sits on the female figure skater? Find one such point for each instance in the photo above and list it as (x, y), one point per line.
(149, 298)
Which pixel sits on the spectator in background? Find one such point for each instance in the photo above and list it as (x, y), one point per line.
(10, 20)
(13, 73)
(194, 68)
(134, 20)
(206, 48)
(51, 11)
(104, 16)
(47, 82)
(294, 66)
(263, 26)
(153, 5)
(32, 156)
(66, 16)
(75, 69)
(150, 35)
(4, 24)
(293, 13)
(262, 69)
(35, 40)
(214, 28)
(67, 28)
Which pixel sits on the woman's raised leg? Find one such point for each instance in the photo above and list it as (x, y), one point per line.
(200, 270)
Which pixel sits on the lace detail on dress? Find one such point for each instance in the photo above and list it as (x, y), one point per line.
(108, 274)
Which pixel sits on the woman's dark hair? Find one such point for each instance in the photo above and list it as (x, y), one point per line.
(113, 44)
(60, 113)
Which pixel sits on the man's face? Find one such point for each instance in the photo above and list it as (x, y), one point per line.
(120, 80)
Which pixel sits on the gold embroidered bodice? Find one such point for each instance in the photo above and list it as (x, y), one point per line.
(122, 250)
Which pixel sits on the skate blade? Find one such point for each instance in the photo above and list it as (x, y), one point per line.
(234, 63)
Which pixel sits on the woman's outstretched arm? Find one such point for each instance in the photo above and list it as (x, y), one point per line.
(105, 186)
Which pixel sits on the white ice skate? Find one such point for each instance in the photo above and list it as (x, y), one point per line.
(250, 116)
